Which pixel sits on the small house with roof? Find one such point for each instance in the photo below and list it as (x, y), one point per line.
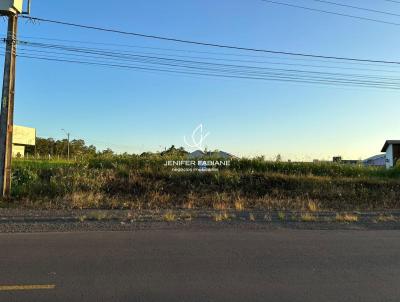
(392, 150)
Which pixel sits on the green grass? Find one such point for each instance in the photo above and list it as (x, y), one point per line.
(315, 169)
(130, 162)
(143, 182)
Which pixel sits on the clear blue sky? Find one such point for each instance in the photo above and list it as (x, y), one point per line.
(136, 111)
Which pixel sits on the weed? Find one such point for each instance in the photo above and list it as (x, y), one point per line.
(346, 217)
(220, 206)
(312, 206)
(189, 205)
(221, 217)
(281, 216)
(239, 204)
(267, 217)
(190, 201)
(251, 217)
(169, 216)
(308, 217)
(386, 218)
(187, 217)
(98, 215)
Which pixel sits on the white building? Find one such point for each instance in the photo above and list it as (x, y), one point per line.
(22, 137)
(392, 150)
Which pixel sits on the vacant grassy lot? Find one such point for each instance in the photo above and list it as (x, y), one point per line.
(134, 182)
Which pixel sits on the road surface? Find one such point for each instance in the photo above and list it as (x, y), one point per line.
(201, 265)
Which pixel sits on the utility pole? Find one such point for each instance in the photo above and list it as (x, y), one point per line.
(10, 9)
(7, 106)
(68, 134)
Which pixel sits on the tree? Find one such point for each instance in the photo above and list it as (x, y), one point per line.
(107, 152)
(174, 151)
(59, 148)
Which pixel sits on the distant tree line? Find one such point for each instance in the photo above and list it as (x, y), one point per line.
(51, 148)
(172, 151)
(59, 148)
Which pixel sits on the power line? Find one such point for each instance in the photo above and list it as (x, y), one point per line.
(229, 70)
(357, 7)
(281, 79)
(213, 69)
(212, 44)
(221, 59)
(276, 76)
(394, 1)
(274, 57)
(217, 73)
(188, 63)
(331, 12)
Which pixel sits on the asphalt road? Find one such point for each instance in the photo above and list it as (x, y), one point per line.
(201, 265)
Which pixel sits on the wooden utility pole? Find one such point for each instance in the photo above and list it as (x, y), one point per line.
(7, 106)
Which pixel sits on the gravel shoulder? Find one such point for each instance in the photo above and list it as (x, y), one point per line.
(26, 220)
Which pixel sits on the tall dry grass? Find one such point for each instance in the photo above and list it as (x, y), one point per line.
(137, 183)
